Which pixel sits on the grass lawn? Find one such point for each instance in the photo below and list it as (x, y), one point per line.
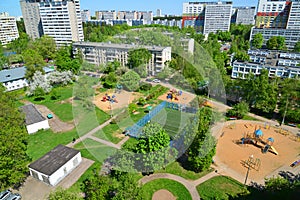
(177, 169)
(109, 133)
(94, 150)
(177, 189)
(43, 141)
(247, 117)
(220, 187)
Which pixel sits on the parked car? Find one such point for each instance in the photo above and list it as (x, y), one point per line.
(14, 197)
(5, 194)
(156, 81)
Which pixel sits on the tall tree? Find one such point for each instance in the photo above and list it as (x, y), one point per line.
(20, 44)
(33, 61)
(138, 57)
(297, 47)
(65, 61)
(61, 194)
(257, 41)
(13, 142)
(45, 46)
(276, 42)
(130, 80)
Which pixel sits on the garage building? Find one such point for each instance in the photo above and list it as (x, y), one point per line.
(55, 165)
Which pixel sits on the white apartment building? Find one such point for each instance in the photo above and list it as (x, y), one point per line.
(102, 53)
(106, 15)
(207, 17)
(217, 17)
(294, 16)
(8, 28)
(60, 19)
(279, 64)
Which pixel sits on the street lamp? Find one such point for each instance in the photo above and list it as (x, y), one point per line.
(251, 163)
(286, 105)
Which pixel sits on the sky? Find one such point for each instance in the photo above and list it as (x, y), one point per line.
(167, 6)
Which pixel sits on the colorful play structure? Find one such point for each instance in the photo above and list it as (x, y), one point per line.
(173, 94)
(110, 97)
(256, 138)
(119, 88)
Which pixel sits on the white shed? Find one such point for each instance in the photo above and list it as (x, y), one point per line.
(55, 165)
(34, 120)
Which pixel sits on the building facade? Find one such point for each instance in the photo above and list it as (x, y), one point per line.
(279, 64)
(106, 15)
(243, 15)
(102, 53)
(8, 28)
(55, 165)
(85, 15)
(207, 17)
(294, 16)
(60, 19)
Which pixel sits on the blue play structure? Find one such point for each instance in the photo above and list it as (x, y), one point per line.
(135, 131)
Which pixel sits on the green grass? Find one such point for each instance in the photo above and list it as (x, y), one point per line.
(62, 110)
(109, 132)
(177, 189)
(177, 169)
(94, 150)
(43, 141)
(247, 117)
(220, 187)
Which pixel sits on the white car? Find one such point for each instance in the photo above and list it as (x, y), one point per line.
(156, 81)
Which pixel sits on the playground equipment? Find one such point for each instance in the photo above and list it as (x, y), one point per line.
(172, 95)
(110, 98)
(295, 164)
(267, 125)
(231, 126)
(257, 137)
(119, 88)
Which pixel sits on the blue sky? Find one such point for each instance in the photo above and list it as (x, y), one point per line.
(167, 6)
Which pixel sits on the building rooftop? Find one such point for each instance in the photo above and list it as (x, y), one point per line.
(54, 159)
(117, 46)
(7, 75)
(32, 115)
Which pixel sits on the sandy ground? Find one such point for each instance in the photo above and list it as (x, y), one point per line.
(163, 195)
(185, 98)
(232, 154)
(124, 99)
(56, 125)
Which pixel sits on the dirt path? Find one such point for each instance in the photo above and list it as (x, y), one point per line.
(163, 195)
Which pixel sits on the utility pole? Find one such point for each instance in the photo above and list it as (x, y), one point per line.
(286, 105)
(251, 164)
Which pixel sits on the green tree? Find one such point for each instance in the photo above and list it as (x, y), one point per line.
(203, 147)
(239, 110)
(13, 142)
(276, 42)
(257, 41)
(65, 61)
(138, 57)
(241, 56)
(45, 46)
(33, 61)
(109, 80)
(61, 194)
(297, 47)
(3, 59)
(20, 44)
(130, 80)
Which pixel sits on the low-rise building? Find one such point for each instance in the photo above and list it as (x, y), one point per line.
(279, 64)
(34, 120)
(55, 165)
(102, 53)
(13, 79)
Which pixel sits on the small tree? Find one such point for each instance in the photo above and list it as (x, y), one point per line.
(132, 107)
(130, 80)
(61, 194)
(257, 41)
(297, 47)
(239, 110)
(39, 81)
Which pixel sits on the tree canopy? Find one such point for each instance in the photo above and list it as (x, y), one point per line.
(138, 57)
(130, 80)
(276, 42)
(13, 142)
(257, 41)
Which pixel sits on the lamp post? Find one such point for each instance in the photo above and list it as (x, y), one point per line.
(286, 105)
(251, 163)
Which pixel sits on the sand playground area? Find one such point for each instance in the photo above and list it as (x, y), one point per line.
(121, 100)
(184, 98)
(233, 154)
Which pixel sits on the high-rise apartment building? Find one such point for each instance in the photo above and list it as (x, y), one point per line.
(106, 15)
(32, 18)
(8, 28)
(243, 15)
(85, 15)
(278, 18)
(207, 17)
(60, 19)
(158, 13)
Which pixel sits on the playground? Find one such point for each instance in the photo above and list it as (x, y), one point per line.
(110, 100)
(240, 140)
(177, 96)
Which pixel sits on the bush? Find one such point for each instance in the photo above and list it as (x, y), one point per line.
(145, 86)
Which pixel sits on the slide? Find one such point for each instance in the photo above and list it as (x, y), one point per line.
(266, 148)
(274, 150)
